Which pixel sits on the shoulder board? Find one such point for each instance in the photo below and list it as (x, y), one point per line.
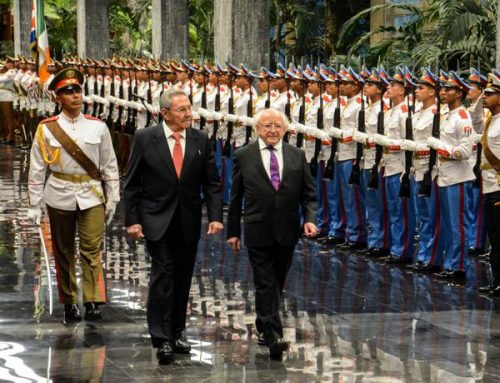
(343, 102)
(434, 110)
(308, 99)
(53, 118)
(463, 114)
(326, 98)
(404, 108)
(90, 117)
(358, 100)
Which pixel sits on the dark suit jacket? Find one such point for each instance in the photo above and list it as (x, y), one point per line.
(153, 192)
(270, 216)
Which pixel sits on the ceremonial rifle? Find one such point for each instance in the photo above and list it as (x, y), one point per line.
(355, 177)
(379, 149)
(405, 188)
(319, 124)
(426, 184)
(330, 163)
(96, 90)
(226, 150)
(217, 109)
(149, 97)
(302, 116)
(109, 119)
(248, 132)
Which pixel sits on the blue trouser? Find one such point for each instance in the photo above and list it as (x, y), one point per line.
(477, 228)
(454, 201)
(335, 206)
(354, 204)
(376, 212)
(429, 226)
(401, 217)
(322, 216)
(227, 175)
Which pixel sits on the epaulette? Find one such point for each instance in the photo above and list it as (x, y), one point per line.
(463, 114)
(326, 98)
(53, 118)
(358, 100)
(434, 110)
(404, 108)
(90, 117)
(308, 99)
(343, 101)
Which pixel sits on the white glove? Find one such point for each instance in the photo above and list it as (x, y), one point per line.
(360, 137)
(110, 211)
(477, 138)
(421, 147)
(35, 213)
(408, 145)
(381, 139)
(438, 144)
(335, 132)
(347, 135)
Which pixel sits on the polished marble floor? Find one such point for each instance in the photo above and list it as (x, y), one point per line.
(348, 319)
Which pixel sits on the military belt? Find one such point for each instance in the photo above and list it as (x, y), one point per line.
(76, 178)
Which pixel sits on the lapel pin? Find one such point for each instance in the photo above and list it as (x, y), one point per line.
(199, 152)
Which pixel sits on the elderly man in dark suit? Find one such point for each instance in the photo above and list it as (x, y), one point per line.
(170, 165)
(274, 180)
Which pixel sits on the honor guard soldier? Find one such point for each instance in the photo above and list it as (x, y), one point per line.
(351, 85)
(401, 209)
(429, 254)
(376, 206)
(490, 172)
(333, 111)
(477, 229)
(454, 147)
(83, 189)
(7, 74)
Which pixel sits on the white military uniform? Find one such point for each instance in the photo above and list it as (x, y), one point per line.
(491, 179)
(93, 137)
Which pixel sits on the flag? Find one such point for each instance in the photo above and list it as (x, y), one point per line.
(39, 40)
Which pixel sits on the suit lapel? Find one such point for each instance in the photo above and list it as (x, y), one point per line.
(286, 163)
(260, 164)
(189, 150)
(161, 146)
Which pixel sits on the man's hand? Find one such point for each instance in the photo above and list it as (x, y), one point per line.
(214, 227)
(34, 214)
(135, 231)
(110, 211)
(234, 243)
(310, 229)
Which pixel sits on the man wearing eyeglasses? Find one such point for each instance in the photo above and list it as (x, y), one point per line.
(74, 197)
(274, 180)
(170, 164)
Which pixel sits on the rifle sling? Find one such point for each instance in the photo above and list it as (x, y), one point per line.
(74, 150)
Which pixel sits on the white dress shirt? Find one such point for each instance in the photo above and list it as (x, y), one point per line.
(265, 154)
(171, 139)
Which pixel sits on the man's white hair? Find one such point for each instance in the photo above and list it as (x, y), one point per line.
(262, 113)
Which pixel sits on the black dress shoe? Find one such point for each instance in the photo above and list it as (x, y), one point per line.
(165, 354)
(445, 274)
(277, 348)
(457, 276)
(415, 266)
(485, 289)
(334, 240)
(477, 251)
(260, 339)
(376, 252)
(92, 311)
(72, 313)
(495, 291)
(394, 260)
(426, 268)
(181, 346)
(350, 245)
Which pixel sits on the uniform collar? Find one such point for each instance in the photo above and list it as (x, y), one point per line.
(64, 117)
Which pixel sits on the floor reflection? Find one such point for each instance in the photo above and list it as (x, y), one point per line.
(348, 319)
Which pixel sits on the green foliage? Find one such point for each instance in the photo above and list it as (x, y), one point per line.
(454, 33)
(201, 29)
(60, 18)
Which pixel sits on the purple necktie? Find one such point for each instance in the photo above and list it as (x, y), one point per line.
(275, 169)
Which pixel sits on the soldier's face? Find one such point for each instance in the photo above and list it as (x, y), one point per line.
(313, 88)
(395, 89)
(179, 116)
(271, 127)
(371, 90)
(70, 100)
(475, 92)
(491, 101)
(451, 95)
(280, 84)
(331, 89)
(262, 85)
(348, 89)
(424, 93)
